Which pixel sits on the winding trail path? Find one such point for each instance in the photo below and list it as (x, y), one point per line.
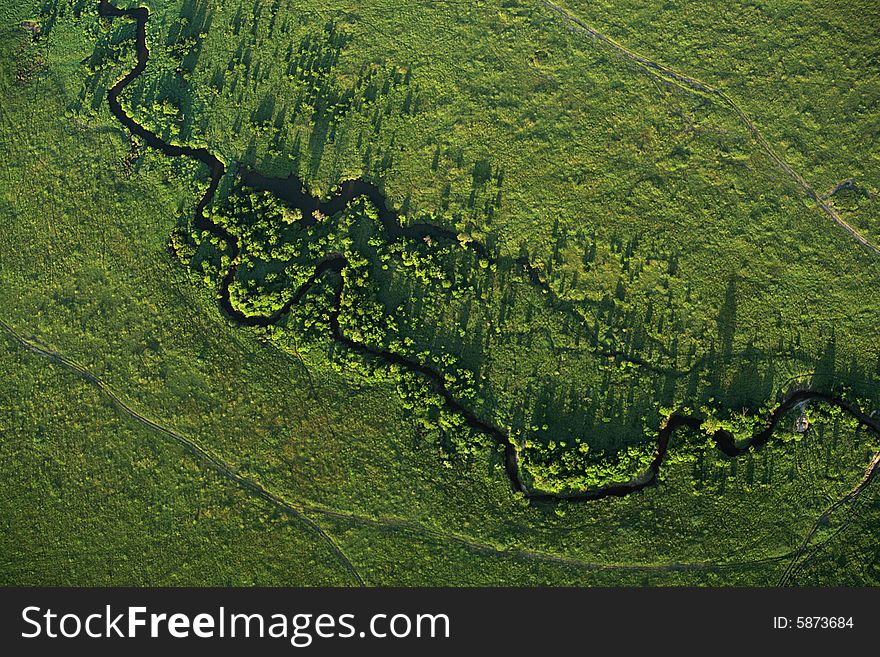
(333, 265)
(692, 84)
(300, 509)
(852, 495)
(190, 445)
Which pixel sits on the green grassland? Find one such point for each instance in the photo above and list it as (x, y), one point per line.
(686, 270)
(809, 80)
(91, 499)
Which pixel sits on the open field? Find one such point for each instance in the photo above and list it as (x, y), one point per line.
(625, 249)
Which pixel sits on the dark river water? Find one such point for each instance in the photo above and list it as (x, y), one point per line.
(293, 192)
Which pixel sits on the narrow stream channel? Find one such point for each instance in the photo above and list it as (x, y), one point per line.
(292, 191)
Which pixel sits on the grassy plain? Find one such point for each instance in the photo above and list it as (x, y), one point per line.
(648, 208)
(809, 80)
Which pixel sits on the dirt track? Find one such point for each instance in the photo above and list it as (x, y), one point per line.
(692, 84)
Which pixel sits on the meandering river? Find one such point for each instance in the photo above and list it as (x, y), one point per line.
(292, 191)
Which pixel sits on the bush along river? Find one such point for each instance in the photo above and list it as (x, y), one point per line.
(292, 191)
